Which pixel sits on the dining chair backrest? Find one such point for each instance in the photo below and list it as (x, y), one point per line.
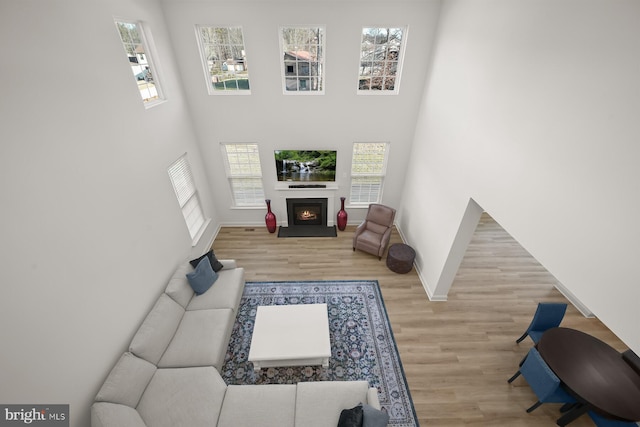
(601, 421)
(548, 315)
(632, 359)
(540, 377)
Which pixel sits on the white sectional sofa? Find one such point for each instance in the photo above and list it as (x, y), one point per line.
(170, 375)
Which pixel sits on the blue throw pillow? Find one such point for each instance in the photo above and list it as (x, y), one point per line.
(373, 417)
(202, 277)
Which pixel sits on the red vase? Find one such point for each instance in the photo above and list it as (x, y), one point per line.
(342, 216)
(270, 218)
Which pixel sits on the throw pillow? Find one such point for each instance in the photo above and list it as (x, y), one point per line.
(215, 264)
(351, 417)
(373, 417)
(202, 277)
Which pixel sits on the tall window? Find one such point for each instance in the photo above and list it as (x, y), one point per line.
(368, 166)
(381, 55)
(187, 194)
(224, 59)
(137, 51)
(302, 59)
(242, 163)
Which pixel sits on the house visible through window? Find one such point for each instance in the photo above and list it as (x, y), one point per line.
(137, 50)
(303, 59)
(381, 55)
(368, 166)
(187, 194)
(224, 59)
(242, 163)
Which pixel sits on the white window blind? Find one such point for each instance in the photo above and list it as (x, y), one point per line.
(185, 188)
(368, 165)
(242, 163)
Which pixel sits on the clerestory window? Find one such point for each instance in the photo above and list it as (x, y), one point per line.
(302, 50)
(137, 49)
(224, 60)
(381, 55)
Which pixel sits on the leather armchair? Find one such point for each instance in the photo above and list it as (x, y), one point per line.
(372, 236)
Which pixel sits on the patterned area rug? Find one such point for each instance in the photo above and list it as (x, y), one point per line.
(362, 343)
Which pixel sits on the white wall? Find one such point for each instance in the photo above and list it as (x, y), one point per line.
(90, 226)
(531, 109)
(276, 121)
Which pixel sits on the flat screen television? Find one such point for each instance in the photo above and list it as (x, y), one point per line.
(306, 165)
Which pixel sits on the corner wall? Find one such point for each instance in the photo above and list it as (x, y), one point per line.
(91, 229)
(531, 110)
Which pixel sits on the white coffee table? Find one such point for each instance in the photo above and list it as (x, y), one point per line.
(290, 335)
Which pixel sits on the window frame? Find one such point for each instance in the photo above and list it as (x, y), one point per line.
(377, 177)
(238, 180)
(283, 63)
(205, 62)
(400, 61)
(186, 191)
(146, 41)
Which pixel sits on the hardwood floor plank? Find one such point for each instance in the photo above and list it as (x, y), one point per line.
(457, 355)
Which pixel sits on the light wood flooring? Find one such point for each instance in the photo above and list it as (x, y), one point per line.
(457, 355)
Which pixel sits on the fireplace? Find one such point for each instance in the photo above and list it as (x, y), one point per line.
(307, 217)
(307, 212)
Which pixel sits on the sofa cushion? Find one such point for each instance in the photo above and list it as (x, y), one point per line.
(226, 293)
(157, 330)
(203, 277)
(127, 381)
(201, 339)
(104, 414)
(178, 287)
(215, 264)
(373, 417)
(186, 397)
(319, 403)
(271, 405)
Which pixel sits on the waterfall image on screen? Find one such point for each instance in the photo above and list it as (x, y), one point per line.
(310, 165)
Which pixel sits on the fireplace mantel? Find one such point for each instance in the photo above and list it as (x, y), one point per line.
(284, 192)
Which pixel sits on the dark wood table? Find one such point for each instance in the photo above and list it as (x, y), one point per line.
(595, 373)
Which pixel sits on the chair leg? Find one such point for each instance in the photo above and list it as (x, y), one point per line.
(522, 337)
(568, 406)
(535, 405)
(516, 375)
(522, 361)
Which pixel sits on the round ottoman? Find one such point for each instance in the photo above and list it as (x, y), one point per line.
(400, 258)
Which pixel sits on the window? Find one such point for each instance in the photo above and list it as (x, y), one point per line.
(381, 55)
(185, 188)
(242, 163)
(368, 166)
(224, 59)
(137, 50)
(303, 59)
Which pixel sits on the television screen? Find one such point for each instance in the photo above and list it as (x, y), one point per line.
(306, 165)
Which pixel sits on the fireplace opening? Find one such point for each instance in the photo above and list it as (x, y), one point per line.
(307, 212)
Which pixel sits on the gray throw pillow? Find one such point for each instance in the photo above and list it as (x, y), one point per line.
(373, 417)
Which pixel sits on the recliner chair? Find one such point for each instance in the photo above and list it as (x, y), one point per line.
(372, 236)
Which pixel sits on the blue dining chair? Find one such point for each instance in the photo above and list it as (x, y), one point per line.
(548, 315)
(601, 421)
(544, 383)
